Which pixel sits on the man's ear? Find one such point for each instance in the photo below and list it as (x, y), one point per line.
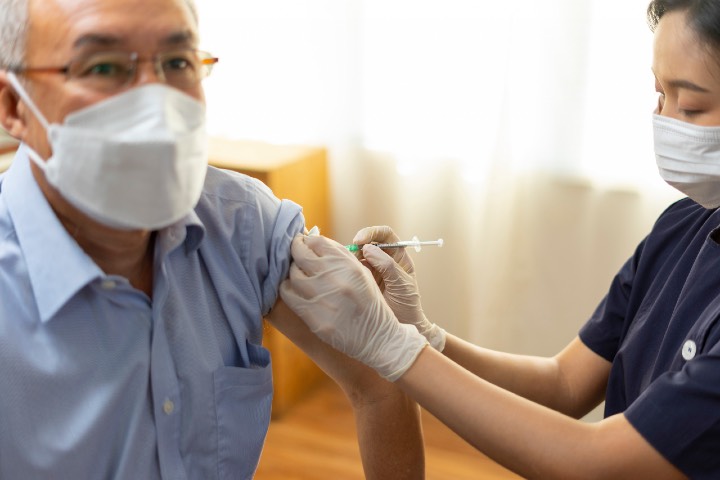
(10, 118)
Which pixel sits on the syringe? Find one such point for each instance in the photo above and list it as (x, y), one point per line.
(415, 242)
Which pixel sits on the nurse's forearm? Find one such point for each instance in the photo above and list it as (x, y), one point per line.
(531, 377)
(530, 439)
(572, 382)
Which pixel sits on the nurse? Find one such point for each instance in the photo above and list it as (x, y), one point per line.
(651, 350)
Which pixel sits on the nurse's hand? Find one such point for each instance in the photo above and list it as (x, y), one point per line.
(339, 301)
(399, 286)
(385, 234)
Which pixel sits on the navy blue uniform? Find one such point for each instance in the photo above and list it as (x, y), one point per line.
(658, 325)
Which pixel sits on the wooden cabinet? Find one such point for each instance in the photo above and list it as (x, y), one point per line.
(299, 174)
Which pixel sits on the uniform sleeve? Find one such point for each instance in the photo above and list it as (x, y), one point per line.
(679, 415)
(603, 331)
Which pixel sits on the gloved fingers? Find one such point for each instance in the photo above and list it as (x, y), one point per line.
(379, 260)
(377, 277)
(307, 252)
(299, 283)
(385, 234)
(379, 234)
(298, 292)
(336, 297)
(323, 265)
(324, 246)
(303, 293)
(402, 258)
(398, 285)
(304, 258)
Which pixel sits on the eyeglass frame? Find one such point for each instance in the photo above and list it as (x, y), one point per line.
(207, 60)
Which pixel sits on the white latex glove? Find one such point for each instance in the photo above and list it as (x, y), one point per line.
(399, 286)
(339, 301)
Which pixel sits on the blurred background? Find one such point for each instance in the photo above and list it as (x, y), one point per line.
(520, 132)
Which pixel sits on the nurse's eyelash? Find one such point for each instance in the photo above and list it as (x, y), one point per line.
(690, 113)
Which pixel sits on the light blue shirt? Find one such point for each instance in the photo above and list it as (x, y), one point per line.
(98, 381)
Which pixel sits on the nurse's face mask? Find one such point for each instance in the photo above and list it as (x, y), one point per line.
(136, 160)
(688, 158)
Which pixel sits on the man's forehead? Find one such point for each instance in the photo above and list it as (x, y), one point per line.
(71, 24)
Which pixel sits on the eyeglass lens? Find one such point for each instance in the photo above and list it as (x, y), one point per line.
(114, 70)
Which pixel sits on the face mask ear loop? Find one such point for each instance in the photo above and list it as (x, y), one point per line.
(26, 98)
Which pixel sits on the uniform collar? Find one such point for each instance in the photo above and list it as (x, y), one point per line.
(58, 268)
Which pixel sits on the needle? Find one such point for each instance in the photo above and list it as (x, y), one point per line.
(415, 243)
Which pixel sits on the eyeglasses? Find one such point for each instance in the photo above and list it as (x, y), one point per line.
(113, 71)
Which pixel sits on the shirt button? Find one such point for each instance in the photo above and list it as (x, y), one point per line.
(108, 284)
(689, 350)
(168, 407)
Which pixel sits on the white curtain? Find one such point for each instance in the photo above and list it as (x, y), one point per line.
(517, 131)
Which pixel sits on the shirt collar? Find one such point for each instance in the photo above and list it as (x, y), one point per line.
(58, 268)
(56, 264)
(188, 231)
(195, 231)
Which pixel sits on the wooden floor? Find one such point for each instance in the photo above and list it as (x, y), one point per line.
(316, 441)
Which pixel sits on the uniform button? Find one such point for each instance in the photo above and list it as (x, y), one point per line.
(689, 350)
(168, 407)
(108, 284)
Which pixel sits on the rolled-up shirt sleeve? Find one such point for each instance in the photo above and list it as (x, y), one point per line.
(288, 223)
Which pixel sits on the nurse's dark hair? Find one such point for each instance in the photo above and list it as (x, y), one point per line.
(703, 16)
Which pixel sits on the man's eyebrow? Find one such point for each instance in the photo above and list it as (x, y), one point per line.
(179, 38)
(96, 39)
(102, 40)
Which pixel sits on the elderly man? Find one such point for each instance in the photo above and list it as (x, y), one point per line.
(133, 278)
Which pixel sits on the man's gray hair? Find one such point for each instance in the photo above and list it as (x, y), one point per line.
(14, 23)
(13, 32)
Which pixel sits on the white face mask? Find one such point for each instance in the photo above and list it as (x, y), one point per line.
(136, 160)
(688, 157)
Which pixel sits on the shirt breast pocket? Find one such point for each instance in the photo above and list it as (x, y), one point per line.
(243, 398)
